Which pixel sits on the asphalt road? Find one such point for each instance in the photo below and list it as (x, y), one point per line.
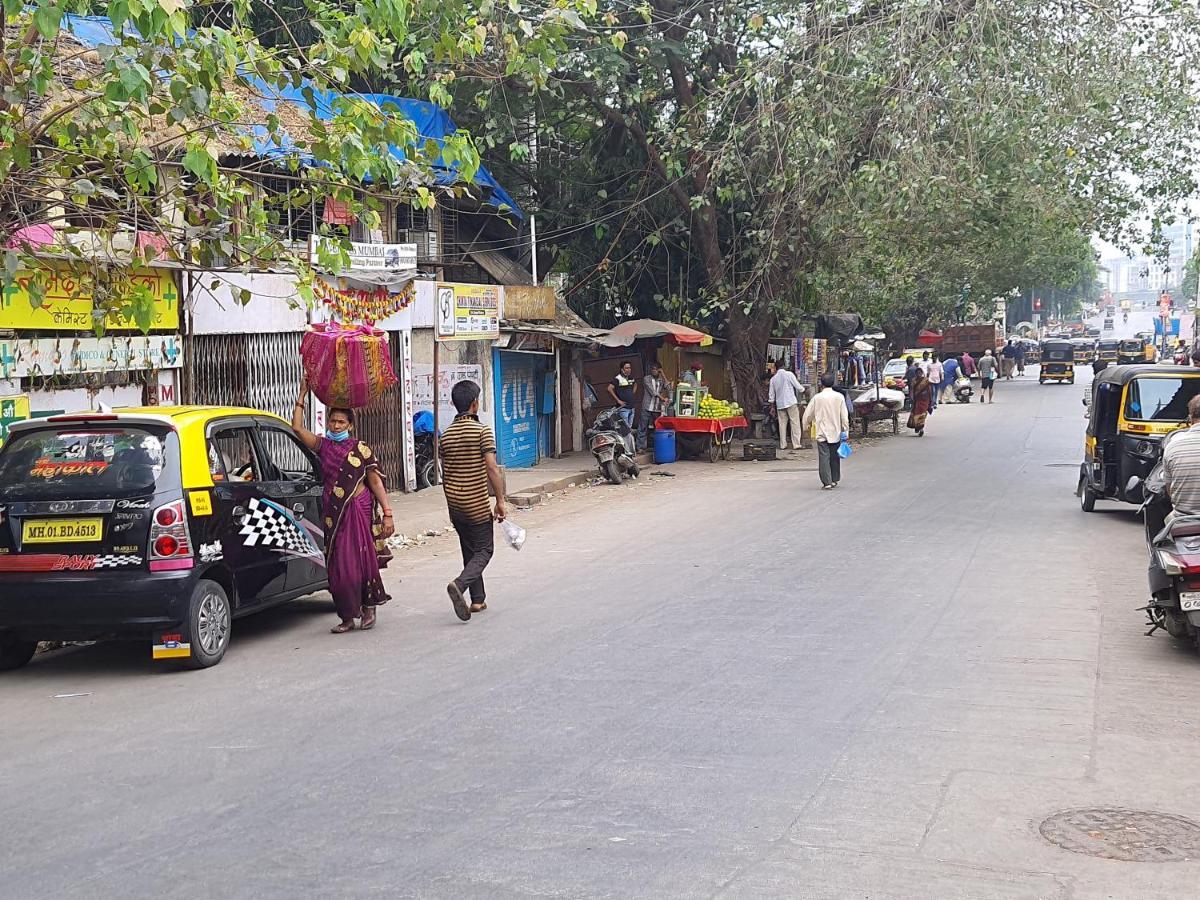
(729, 684)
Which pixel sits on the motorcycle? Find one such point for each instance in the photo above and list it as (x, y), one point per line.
(1174, 570)
(612, 443)
(427, 470)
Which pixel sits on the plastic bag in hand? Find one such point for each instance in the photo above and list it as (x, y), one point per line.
(513, 533)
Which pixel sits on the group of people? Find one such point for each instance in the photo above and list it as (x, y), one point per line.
(930, 377)
(357, 516)
(656, 396)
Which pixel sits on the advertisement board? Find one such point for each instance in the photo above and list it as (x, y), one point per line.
(67, 305)
(468, 312)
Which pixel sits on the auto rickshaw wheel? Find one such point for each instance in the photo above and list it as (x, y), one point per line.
(1071, 380)
(1087, 497)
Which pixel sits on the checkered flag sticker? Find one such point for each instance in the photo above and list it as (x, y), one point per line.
(115, 561)
(269, 525)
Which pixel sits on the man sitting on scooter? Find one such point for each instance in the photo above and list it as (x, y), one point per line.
(1181, 465)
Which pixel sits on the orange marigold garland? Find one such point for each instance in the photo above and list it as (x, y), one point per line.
(367, 307)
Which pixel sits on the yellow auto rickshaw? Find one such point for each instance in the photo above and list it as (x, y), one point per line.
(1131, 351)
(1106, 350)
(1085, 350)
(1058, 362)
(1132, 408)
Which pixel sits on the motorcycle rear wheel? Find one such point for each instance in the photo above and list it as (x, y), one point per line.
(611, 471)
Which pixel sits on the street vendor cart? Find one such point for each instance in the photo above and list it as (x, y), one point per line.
(703, 438)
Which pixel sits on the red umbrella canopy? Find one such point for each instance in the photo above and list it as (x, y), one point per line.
(636, 329)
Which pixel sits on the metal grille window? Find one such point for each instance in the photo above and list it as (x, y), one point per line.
(418, 226)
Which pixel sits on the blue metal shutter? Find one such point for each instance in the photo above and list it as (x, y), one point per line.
(517, 388)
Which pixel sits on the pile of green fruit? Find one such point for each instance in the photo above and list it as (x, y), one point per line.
(712, 408)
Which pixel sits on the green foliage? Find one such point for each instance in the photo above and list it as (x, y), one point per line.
(136, 135)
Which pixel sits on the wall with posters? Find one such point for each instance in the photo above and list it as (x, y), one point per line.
(448, 376)
(473, 354)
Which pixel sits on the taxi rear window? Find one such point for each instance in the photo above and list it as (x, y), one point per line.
(81, 462)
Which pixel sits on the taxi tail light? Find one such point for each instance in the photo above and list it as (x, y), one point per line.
(169, 537)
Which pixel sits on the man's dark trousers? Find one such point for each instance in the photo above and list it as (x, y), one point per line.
(829, 463)
(477, 549)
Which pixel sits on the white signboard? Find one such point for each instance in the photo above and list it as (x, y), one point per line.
(448, 376)
(370, 257)
(65, 355)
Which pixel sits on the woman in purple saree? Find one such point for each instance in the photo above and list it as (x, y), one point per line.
(357, 516)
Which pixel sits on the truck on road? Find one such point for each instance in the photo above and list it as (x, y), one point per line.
(973, 339)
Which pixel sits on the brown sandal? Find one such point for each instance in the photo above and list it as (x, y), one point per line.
(367, 623)
(342, 628)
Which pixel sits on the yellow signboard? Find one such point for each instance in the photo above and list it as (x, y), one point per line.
(68, 301)
(12, 409)
(468, 312)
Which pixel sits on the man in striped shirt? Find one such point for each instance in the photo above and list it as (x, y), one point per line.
(468, 453)
(1181, 465)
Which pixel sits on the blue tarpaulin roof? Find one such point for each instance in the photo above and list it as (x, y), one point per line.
(431, 121)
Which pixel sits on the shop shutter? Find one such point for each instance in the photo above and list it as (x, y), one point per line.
(516, 382)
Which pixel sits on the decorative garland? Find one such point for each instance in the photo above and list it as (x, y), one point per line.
(367, 307)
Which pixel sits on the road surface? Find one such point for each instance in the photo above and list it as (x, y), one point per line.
(726, 685)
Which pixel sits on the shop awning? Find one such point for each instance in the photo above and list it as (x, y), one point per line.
(639, 329)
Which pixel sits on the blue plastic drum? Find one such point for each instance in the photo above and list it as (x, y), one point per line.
(664, 446)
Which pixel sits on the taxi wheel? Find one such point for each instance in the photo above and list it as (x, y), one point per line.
(14, 652)
(209, 620)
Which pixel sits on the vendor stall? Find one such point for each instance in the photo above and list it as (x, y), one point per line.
(704, 437)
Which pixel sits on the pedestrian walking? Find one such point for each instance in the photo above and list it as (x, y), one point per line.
(656, 394)
(623, 390)
(910, 370)
(936, 375)
(922, 400)
(950, 370)
(785, 392)
(1021, 358)
(469, 468)
(925, 363)
(827, 413)
(989, 368)
(1009, 363)
(356, 512)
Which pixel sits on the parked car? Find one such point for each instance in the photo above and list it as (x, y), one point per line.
(161, 524)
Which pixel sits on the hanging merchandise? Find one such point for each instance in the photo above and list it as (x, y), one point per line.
(366, 306)
(347, 366)
(812, 359)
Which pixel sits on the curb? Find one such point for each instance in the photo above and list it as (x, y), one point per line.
(532, 496)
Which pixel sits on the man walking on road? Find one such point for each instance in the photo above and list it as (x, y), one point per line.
(622, 389)
(1010, 360)
(656, 394)
(936, 375)
(785, 393)
(828, 412)
(468, 452)
(989, 368)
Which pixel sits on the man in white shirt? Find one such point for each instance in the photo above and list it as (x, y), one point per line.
(936, 375)
(785, 392)
(828, 412)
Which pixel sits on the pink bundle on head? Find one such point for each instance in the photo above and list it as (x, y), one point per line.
(347, 366)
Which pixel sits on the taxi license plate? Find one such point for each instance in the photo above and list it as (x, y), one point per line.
(1189, 601)
(54, 531)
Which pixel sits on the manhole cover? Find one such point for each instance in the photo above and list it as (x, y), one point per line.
(1124, 834)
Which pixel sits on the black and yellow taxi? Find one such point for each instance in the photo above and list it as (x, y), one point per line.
(1057, 362)
(161, 524)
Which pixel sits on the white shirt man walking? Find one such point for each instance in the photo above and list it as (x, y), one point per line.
(785, 393)
(828, 412)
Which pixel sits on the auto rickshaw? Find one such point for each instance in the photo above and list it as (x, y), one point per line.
(1085, 350)
(1106, 351)
(1058, 362)
(1131, 351)
(1132, 409)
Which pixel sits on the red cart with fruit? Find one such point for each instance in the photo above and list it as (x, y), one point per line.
(703, 437)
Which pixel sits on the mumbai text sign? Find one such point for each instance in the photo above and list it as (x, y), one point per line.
(67, 305)
(468, 312)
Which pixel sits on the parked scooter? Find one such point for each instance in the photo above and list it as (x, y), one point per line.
(612, 443)
(427, 468)
(1174, 570)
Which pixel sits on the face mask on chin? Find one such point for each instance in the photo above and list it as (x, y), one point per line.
(338, 436)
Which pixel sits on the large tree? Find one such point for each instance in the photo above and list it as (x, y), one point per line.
(737, 158)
